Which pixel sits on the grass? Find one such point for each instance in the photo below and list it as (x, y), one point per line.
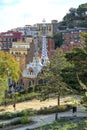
(20, 119)
(62, 124)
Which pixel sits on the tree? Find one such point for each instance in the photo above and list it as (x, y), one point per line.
(70, 78)
(82, 9)
(73, 11)
(53, 85)
(78, 57)
(74, 15)
(58, 39)
(9, 67)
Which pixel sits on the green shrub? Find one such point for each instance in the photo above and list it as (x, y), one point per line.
(9, 115)
(24, 120)
(54, 109)
(62, 108)
(15, 122)
(20, 97)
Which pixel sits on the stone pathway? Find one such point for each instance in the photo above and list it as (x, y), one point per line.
(47, 119)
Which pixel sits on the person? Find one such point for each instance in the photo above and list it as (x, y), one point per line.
(14, 106)
(74, 110)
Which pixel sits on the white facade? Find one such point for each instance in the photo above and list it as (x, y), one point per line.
(44, 55)
(33, 69)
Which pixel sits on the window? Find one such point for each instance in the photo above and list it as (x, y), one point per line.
(18, 59)
(31, 71)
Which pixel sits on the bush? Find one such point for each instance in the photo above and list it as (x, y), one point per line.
(9, 115)
(62, 108)
(20, 121)
(15, 122)
(20, 97)
(54, 109)
(24, 120)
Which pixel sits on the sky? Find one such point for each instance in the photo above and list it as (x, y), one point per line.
(18, 13)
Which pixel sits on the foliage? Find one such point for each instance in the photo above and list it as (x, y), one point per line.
(53, 109)
(69, 77)
(11, 115)
(66, 124)
(78, 58)
(15, 123)
(20, 97)
(8, 68)
(3, 86)
(84, 99)
(58, 39)
(52, 76)
(24, 118)
(84, 38)
(76, 14)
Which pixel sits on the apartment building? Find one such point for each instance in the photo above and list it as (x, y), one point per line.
(23, 52)
(27, 30)
(73, 35)
(6, 39)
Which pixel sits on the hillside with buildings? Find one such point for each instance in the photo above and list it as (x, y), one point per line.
(76, 17)
(30, 47)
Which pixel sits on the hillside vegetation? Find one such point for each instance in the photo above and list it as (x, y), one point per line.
(76, 17)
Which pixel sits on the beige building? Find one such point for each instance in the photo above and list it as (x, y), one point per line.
(51, 28)
(19, 48)
(48, 29)
(23, 51)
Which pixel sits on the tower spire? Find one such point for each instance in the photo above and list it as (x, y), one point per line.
(44, 56)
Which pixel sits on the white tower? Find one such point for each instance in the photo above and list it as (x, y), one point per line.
(44, 56)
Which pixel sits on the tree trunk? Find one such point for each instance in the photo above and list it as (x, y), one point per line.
(58, 103)
(58, 100)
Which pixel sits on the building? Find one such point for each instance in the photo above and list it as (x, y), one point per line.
(6, 39)
(50, 47)
(72, 35)
(27, 30)
(23, 52)
(51, 28)
(33, 69)
(55, 26)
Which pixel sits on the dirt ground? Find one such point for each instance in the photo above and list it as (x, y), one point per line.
(34, 104)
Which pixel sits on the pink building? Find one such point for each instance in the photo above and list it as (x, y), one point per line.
(6, 39)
